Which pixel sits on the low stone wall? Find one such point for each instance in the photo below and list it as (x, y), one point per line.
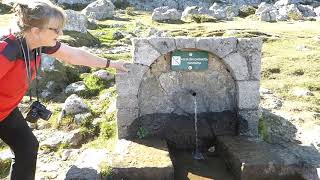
(151, 91)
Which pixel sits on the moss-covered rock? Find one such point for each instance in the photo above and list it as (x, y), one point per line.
(76, 7)
(51, 84)
(246, 10)
(77, 39)
(5, 168)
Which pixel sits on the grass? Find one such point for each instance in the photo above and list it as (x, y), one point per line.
(285, 67)
(120, 56)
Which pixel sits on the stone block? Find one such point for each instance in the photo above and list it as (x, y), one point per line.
(185, 42)
(142, 159)
(249, 45)
(254, 60)
(129, 87)
(237, 65)
(250, 159)
(248, 94)
(144, 53)
(135, 71)
(163, 45)
(128, 83)
(249, 123)
(220, 47)
(127, 102)
(125, 117)
(251, 50)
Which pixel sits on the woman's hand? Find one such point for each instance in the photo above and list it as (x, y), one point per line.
(119, 65)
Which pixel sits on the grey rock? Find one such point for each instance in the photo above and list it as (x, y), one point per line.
(74, 105)
(269, 16)
(79, 118)
(100, 9)
(317, 11)
(117, 35)
(76, 22)
(75, 87)
(103, 74)
(246, 10)
(263, 7)
(87, 165)
(306, 10)
(291, 11)
(166, 14)
(300, 92)
(74, 2)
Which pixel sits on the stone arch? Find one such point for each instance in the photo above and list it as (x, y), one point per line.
(240, 56)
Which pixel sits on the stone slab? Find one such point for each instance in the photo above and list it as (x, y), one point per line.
(251, 159)
(142, 159)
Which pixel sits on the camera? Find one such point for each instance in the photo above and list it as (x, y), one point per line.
(38, 110)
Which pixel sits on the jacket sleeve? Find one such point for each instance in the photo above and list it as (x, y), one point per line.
(5, 63)
(51, 50)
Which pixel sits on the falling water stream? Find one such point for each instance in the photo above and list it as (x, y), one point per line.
(196, 167)
(197, 154)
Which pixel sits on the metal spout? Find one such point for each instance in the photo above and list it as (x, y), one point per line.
(193, 93)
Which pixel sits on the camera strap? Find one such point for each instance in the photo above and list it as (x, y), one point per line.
(28, 68)
(36, 54)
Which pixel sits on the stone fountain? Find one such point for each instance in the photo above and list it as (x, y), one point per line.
(154, 94)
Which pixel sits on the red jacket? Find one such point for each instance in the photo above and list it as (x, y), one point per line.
(13, 74)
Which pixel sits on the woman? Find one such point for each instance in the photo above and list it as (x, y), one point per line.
(40, 25)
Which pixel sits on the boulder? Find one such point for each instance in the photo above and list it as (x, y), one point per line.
(76, 22)
(100, 9)
(166, 14)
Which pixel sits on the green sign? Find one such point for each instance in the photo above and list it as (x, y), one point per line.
(189, 60)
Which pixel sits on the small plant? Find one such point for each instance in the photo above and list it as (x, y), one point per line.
(142, 132)
(201, 18)
(95, 85)
(262, 129)
(130, 11)
(105, 170)
(107, 130)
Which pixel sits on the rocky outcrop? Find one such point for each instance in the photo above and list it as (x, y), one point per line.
(166, 14)
(100, 9)
(76, 22)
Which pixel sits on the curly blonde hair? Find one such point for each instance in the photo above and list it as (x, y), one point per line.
(37, 13)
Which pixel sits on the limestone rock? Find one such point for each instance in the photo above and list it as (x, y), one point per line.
(100, 9)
